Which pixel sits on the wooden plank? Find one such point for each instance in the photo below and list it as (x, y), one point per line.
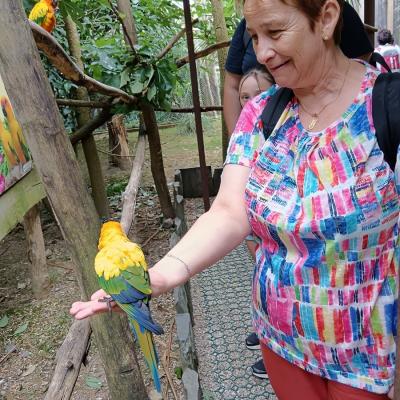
(20, 198)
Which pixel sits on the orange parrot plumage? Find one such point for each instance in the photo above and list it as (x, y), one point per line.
(15, 130)
(44, 14)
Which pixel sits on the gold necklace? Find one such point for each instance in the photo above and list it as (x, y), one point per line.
(315, 116)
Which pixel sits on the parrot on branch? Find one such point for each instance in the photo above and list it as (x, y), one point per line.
(122, 273)
(43, 13)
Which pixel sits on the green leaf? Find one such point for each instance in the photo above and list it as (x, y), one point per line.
(136, 87)
(104, 3)
(21, 329)
(151, 92)
(93, 382)
(178, 372)
(125, 77)
(4, 321)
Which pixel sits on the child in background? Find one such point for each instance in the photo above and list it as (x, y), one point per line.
(251, 85)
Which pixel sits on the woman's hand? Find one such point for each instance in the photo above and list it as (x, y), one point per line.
(391, 392)
(84, 309)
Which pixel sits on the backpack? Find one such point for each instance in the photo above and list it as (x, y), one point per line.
(385, 110)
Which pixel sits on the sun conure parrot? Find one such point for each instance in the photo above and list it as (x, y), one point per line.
(122, 273)
(44, 14)
(15, 129)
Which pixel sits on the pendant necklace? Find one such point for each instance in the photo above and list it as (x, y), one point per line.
(315, 116)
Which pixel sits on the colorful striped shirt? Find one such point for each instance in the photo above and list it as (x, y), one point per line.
(326, 208)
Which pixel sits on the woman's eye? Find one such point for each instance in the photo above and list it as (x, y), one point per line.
(275, 33)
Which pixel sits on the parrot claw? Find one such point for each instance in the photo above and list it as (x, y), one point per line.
(107, 300)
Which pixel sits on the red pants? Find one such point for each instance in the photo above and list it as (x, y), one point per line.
(291, 382)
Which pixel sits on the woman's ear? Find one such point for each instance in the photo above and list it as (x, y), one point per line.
(328, 18)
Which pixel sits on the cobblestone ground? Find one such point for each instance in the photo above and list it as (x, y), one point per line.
(221, 302)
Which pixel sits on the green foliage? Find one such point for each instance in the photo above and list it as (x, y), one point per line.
(109, 60)
(178, 372)
(115, 188)
(93, 382)
(4, 321)
(21, 329)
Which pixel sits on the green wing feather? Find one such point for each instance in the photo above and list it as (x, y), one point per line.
(137, 277)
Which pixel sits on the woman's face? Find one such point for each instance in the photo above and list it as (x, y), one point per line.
(284, 42)
(251, 88)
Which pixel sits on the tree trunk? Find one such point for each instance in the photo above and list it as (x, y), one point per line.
(221, 34)
(118, 143)
(37, 254)
(149, 116)
(83, 115)
(37, 112)
(239, 8)
(157, 164)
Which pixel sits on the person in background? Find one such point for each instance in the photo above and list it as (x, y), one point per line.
(252, 84)
(388, 50)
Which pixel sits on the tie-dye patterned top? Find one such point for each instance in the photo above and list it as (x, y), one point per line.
(325, 207)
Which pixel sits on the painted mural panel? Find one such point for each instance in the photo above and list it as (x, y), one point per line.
(15, 158)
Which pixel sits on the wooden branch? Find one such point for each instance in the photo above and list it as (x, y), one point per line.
(63, 63)
(101, 118)
(172, 42)
(82, 103)
(191, 109)
(68, 361)
(129, 195)
(202, 53)
(121, 21)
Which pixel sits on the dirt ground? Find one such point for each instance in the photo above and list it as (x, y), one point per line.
(32, 330)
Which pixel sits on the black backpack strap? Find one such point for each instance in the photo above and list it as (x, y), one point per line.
(274, 109)
(376, 58)
(386, 114)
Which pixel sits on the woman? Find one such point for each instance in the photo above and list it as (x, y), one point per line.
(324, 204)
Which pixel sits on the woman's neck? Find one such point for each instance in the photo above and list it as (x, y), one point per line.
(325, 84)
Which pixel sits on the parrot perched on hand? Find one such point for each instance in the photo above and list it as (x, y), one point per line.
(122, 273)
(44, 14)
(15, 129)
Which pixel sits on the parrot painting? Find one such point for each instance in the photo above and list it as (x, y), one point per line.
(8, 146)
(15, 129)
(44, 14)
(122, 273)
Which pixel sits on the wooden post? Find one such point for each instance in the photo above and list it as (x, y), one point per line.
(69, 359)
(36, 110)
(118, 143)
(36, 253)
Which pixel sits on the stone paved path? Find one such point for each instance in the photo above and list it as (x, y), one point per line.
(221, 302)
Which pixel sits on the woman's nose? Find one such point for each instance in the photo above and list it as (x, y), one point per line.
(264, 51)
